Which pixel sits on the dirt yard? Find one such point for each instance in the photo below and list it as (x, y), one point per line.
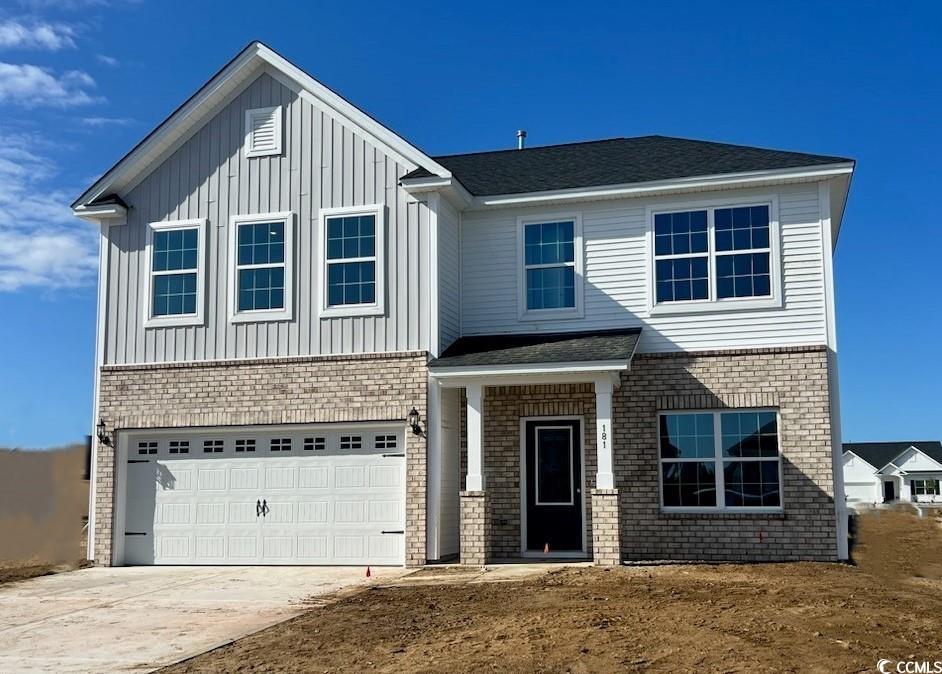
(731, 618)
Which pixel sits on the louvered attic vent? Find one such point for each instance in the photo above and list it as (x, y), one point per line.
(263, 131)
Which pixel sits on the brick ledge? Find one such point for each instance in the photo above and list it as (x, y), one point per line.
(281, 360)
(759, 351)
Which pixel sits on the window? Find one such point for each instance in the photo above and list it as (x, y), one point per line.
(149, 447)
(720, 460)
(263, 132)
(213, 446)
(179, 447)
(925, 487)
(551, 267)
(554, 466)
(352, 261)
(280, 445)
(385, 442)
(315, 444)
(261, 280)
(351, 442)
(714, 255)
(245, 445)
(175, 250)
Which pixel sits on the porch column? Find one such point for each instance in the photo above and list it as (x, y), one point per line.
(606, 508)
(475, 478)
(474, 512)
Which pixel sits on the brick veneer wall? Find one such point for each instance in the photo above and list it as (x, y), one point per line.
(793, 380)
(374, 387)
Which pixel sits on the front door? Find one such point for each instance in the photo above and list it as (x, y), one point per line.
(889, 491)
(553, 478)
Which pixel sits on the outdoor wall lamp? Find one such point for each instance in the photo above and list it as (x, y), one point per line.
(103, 437)
(414, 421)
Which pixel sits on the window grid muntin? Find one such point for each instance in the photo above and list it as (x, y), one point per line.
(315, 444)
(351, 442)
(213, 446)
(562, 253)
(179, 447)
(263, 262)
(713, 254)
(174, 269)
(925, 487)
(385, 442)
(147, 447)
(719, 461)
(280, 445)
(350, 260)
(245, 445)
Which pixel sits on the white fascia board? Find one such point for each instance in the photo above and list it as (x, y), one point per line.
(667, 186)
(350, 111)
(449, 187)
(600, 366)
(175, 129)
(106, 214)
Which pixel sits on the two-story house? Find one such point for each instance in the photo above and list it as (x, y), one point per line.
(319, 345)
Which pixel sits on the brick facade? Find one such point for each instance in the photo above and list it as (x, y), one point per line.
(606, 529)
(793, 380)
(271, 391)
(474, 538)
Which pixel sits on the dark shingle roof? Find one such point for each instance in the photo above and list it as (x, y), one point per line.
(616, 161)
(526, 349)
(878, 454)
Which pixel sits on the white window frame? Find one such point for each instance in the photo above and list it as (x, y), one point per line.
(536, 467)
(377, 308)
(718, 461)
(260, 315)
(712, 303)
(578, 264)
(177, 320)
(257, 112)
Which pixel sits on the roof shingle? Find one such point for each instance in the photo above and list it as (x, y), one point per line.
(616, 161)
(878, 454)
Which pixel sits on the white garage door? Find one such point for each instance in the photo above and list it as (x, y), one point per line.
(857, 492)
(295, 496)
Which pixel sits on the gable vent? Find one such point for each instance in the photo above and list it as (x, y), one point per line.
(263, 132)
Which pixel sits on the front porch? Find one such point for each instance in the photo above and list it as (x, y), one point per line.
(533, 447)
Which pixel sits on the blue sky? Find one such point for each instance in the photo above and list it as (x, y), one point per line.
(81, 81)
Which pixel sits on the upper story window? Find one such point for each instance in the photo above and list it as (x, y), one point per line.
(720, 460)
(715, 255)
(175, 284)
(263, 131)
(352, 269)
(550, 277)
(261, 279)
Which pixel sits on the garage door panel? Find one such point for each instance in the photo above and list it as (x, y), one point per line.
(327, 505)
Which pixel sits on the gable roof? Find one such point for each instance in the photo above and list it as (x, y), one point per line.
(616, 161)
(253, 60)
(879, 454)
(534, 348)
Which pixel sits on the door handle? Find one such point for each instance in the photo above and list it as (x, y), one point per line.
(265, 508)
(258, 508)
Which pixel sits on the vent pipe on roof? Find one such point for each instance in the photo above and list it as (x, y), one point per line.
(521, 138)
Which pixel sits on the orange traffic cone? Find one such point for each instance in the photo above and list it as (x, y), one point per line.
(546, 548)
(368, 574)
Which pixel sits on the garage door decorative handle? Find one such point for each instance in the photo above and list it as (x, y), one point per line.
(265, 508)
(258, 508)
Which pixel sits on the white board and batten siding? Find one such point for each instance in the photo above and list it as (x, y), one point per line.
(323, 164)
(618, 266)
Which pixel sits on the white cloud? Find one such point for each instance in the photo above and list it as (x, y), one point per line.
(41, 243)
(76, 4)
(31, 86)
(19, 34)
(99, 122)
(107, 60)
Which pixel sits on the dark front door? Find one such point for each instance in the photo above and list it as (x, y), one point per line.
(553, 465)
(889, 491)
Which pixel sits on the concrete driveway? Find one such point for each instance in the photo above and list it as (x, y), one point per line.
(140, 618)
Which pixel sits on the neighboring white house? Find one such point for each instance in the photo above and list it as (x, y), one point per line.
(884, 472)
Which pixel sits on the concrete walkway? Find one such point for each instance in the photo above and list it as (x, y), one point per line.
(141, 618)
